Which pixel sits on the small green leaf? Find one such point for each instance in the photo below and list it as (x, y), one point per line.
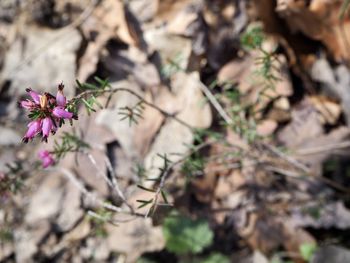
(144, 203)
(145, 188)
(307, 250)
(184, 235)
(164, 197)
(253, 37)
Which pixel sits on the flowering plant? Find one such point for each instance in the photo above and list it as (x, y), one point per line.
(47, 113)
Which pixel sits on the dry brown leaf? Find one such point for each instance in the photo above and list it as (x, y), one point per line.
(315, 150)
(135, 237)
(282, 103)
(262, 233)
(294, 238)
(181, 22)
(189, 104)
(168, 9)
(266, 127)
(132, 63)
(110, 119)
(329, 110)
(42, 58)
(229, 184)
(245, 73)
(305, 125)
(46, 201)
(266, 234)
(319, 20)
(171, 48)
(331, 215)
(144, 10)
(107, 21)
(148, 126)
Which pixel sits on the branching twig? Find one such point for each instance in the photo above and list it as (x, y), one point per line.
(112, 183)
(84, 191)
(167, 172)
(215, 103)
(150, 104)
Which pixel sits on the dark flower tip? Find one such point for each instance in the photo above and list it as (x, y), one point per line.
(28, 89)
(61, 86)
(25, 140)
(49, 95)
(44, 139)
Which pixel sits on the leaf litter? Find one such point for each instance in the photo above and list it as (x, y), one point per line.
(264, 178)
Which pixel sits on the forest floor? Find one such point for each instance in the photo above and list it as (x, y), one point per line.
(235, 147)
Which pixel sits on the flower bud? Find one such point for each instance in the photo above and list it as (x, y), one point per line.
(60, 98)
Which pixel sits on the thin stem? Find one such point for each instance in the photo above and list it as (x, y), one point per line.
(150, 104)
(167, 172)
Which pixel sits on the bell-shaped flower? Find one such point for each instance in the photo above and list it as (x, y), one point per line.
(46, 127)
(60, 112)
(34, 128)
(60, 98)
(46, 158)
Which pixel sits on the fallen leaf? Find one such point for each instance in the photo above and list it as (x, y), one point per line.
(329, 110)
(330, 215)
(305, 125)
(46, 202)
(107, 21)
(318, 20)
(334, 82)
(139, 236)
(193, 111)
(145, 10)
(266, 127)
(42, 69)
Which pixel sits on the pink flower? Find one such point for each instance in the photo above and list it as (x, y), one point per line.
(34, 128)
(46, 127)
(60, 112)
(27, 104)
(35, 95)
(46, 111)
(60, 98)
(46, 158)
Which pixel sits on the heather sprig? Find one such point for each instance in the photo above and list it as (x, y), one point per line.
(46, 112)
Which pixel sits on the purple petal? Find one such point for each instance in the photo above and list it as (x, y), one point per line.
(60, 112)
(47, 126)
(46, 158)
(33, 129)
(35, 95)
(43, 153)
(26, 104)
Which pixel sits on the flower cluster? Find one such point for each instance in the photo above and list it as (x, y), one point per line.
(46, 158)
(46, 112)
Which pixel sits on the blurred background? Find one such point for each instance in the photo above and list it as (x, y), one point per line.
(239, 151)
